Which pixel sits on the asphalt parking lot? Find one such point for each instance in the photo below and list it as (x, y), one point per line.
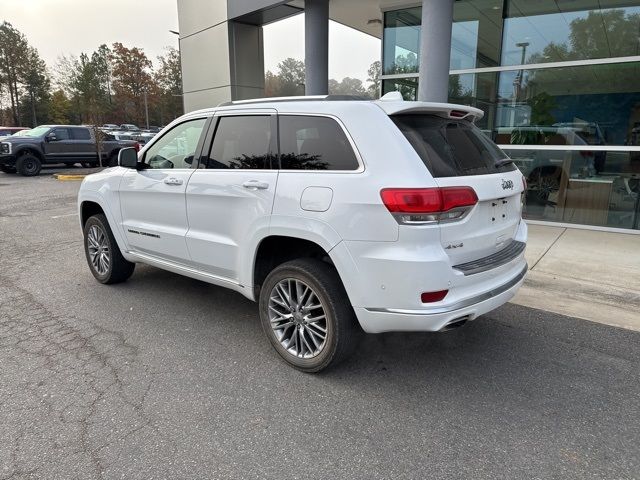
(168, 377)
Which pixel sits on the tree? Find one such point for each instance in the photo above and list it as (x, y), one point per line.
(168, 79)
(101, 60)
(13, 45)
(374, 72)
(291, 78)
(36, 84)
(271, 84)
(131, 79)
(348, 86)
(59, 108)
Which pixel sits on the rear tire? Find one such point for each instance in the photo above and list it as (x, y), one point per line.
(314, 327)
(28, 165)
(103, 254)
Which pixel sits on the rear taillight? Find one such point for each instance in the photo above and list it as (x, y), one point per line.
(428, 205)
(137, 146)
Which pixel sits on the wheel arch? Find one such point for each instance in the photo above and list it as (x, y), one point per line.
(274, 250)
(90, 205)
(89, 208)
(30, 150)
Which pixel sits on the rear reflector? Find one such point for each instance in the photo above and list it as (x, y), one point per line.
(430, 297)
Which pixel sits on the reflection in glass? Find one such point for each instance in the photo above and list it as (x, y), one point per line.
(589, 105)
(241, 142)
(568, 186)
(562, 31)
(408, 87)
(475, 38)
(401, 41)
(314, 143)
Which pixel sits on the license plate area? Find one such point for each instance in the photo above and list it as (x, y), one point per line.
(498, 211)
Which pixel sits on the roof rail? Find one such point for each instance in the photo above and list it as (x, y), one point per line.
(308, 98)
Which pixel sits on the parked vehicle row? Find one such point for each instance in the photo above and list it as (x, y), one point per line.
(8, 131)
(335, 216)
(28, 151)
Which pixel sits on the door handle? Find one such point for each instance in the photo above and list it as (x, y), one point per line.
(173, 181)
(256, 185)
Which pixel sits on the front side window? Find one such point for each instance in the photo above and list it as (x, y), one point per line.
(60, 133)
(314, 143)
(177, 147)
(241, 142)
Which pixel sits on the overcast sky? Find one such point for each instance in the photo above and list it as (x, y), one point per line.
(57, 27)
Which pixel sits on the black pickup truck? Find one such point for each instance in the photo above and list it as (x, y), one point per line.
(57, 144)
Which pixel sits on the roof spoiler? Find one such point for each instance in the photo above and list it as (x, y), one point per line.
(393, 104)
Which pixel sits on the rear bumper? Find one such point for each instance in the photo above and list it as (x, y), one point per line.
(433, 319)
(385, 280)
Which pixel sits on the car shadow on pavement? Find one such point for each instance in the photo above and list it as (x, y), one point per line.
(518, 390)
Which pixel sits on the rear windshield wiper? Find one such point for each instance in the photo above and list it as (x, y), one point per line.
(502, 162)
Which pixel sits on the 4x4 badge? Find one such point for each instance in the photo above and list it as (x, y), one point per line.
(507, 184)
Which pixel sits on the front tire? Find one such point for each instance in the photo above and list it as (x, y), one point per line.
(306, 314)
(28, 165)
(103, 254)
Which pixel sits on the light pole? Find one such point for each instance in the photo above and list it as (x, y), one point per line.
(517, 82)
(146, 107)
(176, 33)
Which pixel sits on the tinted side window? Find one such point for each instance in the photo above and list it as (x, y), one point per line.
(61, 133)
(242, 142)
(80, 134)
(176, 148)
(314, 143)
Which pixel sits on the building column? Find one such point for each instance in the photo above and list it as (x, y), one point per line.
(316, 47)
(435, 50)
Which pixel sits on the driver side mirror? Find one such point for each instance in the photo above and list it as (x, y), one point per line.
(51, 137)
(128, 158)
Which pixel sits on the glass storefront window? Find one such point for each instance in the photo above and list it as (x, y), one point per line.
(544, 31)
(401, 41)
(585, 187)
(587, 105)
(574, 131)
(475, 38)
(408, 87)
(476, 35)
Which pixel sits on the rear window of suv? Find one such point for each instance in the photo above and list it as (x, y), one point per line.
(452, 148)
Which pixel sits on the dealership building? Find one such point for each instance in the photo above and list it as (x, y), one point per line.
(558, 80)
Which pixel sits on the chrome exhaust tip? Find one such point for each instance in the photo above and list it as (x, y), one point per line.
(455, 323)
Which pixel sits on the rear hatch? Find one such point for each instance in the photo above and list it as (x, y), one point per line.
(458, 154)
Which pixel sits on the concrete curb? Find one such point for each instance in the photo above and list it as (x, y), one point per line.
(64, 177)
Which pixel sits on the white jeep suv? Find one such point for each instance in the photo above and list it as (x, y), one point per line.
(336, 215)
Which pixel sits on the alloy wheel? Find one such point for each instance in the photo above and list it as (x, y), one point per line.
(98, 248)
(298, 318)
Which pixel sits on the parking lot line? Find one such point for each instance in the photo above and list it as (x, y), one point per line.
(65, 215)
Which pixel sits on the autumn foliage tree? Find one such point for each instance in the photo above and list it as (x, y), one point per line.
(131, 70)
